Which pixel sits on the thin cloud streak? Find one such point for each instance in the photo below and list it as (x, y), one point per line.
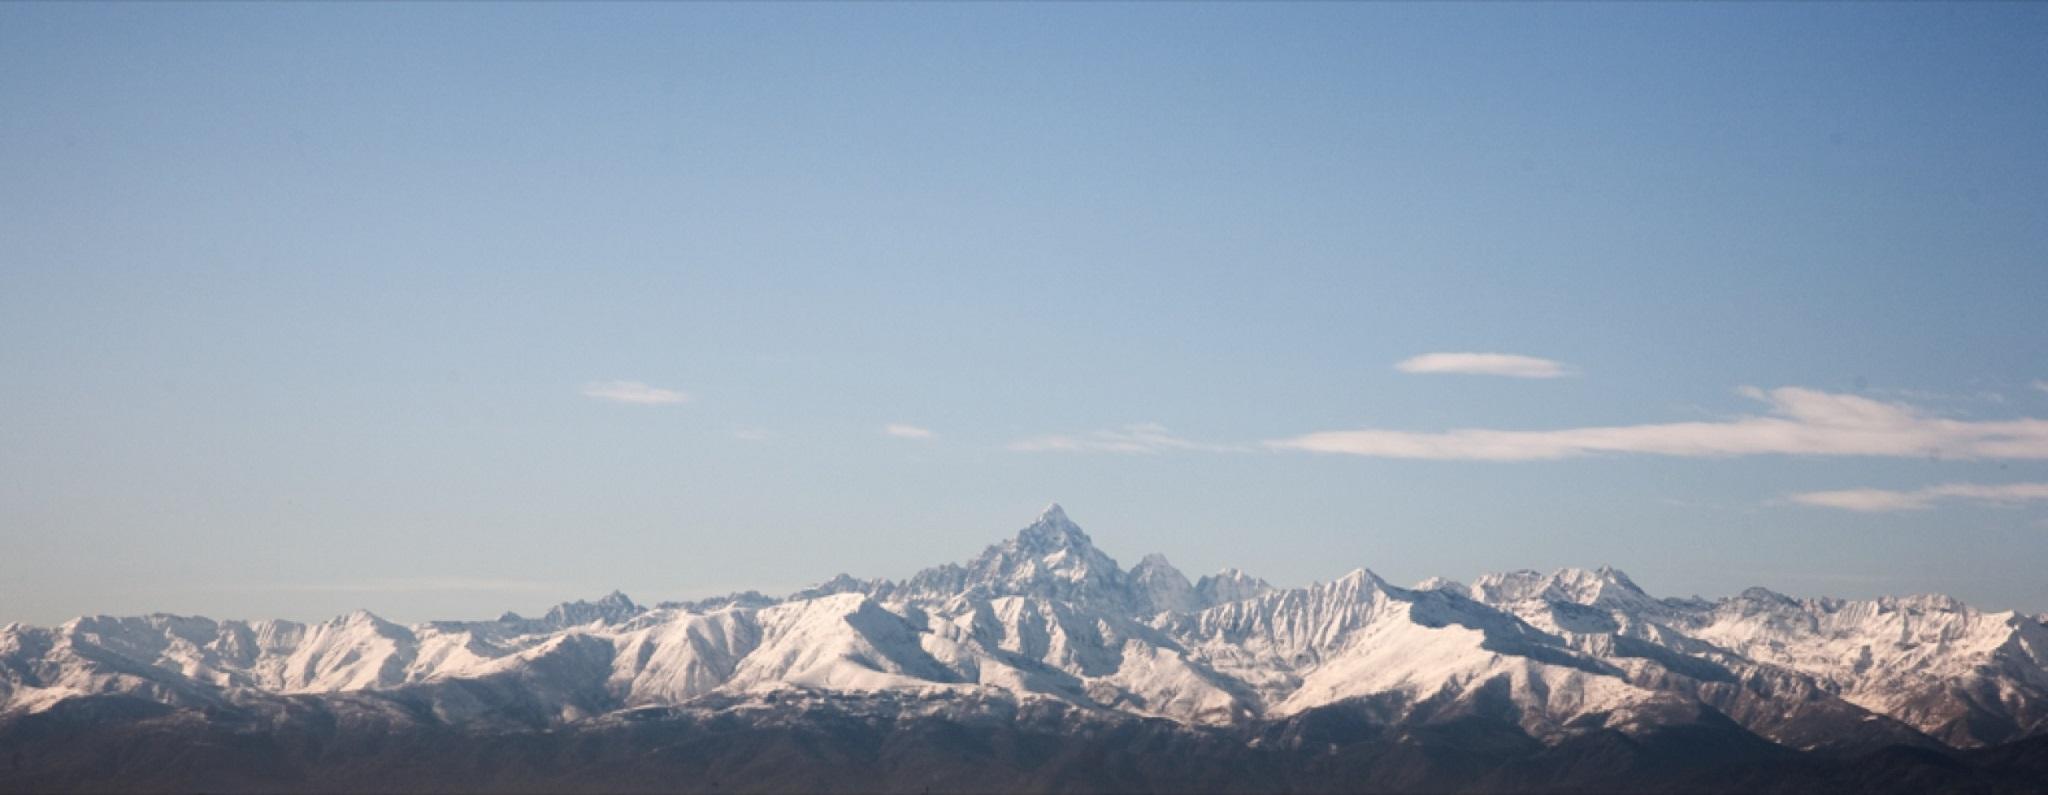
(903, 431)
(1799, 422)
(1863, 500)
(1503, 364)
(1143, 438)
(633, 392)
(1885, 501)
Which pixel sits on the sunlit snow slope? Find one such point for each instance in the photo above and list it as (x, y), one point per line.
(1048, 616)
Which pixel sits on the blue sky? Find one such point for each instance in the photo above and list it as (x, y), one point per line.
(445, 310)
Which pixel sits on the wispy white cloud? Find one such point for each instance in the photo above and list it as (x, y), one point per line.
(2040, 385)
(1507, 364)
(1799, 422)
(749, 434)
(1883, 501)
(1141, 438)
(1930, 396)
(904, 431)
(633, 392)
(1863, 500)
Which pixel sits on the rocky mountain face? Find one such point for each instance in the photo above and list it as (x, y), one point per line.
(1518, 681)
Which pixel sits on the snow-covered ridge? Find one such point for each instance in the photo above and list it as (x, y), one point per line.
(1048, 615)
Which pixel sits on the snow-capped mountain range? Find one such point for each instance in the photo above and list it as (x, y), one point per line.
(1048, 618)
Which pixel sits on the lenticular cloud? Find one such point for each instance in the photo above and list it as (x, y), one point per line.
(1507, 364)
(1799, 422)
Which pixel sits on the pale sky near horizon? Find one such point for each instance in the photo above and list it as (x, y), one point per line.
(446, 310)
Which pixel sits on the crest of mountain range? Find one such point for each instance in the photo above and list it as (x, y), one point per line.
(1521, 680)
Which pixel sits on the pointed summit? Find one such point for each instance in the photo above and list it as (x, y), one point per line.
(1619, 578)
(1360, 579)
(1162, 588)
(1605, 587)
(1053, 531)
(1441, 584)
(1051, 559)
(361, 617)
